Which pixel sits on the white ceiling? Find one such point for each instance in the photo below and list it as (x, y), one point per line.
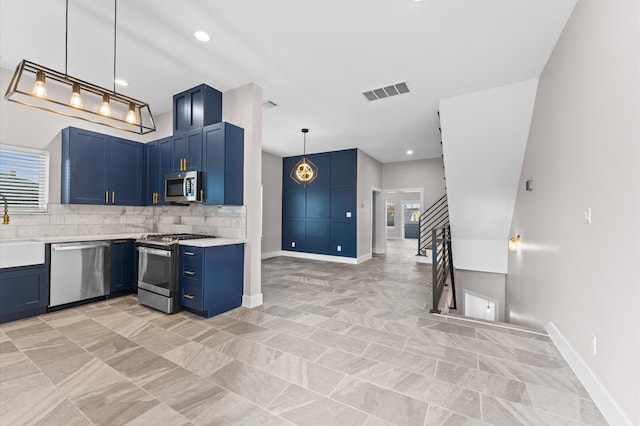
(313, 58)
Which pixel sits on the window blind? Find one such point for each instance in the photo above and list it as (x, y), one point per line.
(24, 178)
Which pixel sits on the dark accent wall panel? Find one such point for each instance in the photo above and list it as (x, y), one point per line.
(320, 217)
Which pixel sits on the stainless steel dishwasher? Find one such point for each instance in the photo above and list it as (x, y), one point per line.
(79, 271)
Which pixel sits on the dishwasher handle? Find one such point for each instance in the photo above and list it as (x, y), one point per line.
(69, 247)
(156, 252)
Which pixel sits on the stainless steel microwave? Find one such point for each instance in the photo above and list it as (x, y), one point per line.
(183, 187)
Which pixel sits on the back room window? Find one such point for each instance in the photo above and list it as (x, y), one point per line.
(24, 178)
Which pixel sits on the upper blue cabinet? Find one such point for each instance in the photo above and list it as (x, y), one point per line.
(195, 108)
(158, 166)
(186, 151)
(101, 169)
(223, 164)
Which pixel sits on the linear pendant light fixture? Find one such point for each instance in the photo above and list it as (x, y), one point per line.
(43, 88)
(304, 172)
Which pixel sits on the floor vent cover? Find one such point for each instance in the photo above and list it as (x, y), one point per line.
(385, 92)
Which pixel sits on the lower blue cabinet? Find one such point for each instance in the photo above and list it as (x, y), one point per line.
(211, 278)
(24, 291)
(123, 272)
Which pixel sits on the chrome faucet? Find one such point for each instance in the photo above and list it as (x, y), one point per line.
(5, 218)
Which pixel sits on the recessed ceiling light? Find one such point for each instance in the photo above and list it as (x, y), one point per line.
(202, 36)
(121, 82)
(409, 152)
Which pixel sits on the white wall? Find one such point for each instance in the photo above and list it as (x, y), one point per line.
(243, 107)
(369, 177)
(271, 204)
(484, 135)
(584, 152)
(481, 284)
(427, 175)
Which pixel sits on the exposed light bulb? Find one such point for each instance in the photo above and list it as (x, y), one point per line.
(76, 99)
(131, 115)
(105, 108)
(39, 88)
(488, 307)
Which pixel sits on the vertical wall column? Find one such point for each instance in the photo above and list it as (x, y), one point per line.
(243, 107)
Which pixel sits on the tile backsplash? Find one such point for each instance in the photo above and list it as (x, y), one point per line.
(73, 219)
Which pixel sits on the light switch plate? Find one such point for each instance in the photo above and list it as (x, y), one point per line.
(339, 248)
(348, 214)
(293, 243)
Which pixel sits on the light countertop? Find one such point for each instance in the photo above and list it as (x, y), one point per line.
(211, 242)
(205, 242)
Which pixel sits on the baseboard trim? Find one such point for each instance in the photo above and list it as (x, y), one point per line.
(364, 258)
(607, 405)
(252, 301)
(322, 257)
(271, 254)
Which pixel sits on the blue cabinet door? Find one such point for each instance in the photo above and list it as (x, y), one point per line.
(125, 171)
(186, 151)
(24, 291)
(85, 167)
(158, 166)
(196, 107)
(223, 164)
(153, 172)
(122, 266)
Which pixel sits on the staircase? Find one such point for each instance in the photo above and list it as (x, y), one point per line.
(436, 216)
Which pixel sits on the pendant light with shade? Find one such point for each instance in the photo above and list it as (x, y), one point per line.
(304, 172)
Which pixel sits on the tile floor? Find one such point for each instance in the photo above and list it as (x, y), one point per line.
(333, 344)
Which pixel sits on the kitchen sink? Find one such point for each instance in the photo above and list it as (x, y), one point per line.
(21, 253)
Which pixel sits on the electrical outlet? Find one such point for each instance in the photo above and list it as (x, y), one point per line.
(293, 243)
(339, 248)
(587, 216)
(348, 214)
(594, 343)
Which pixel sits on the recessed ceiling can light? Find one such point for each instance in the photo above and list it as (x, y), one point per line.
(202, 36)
(121, 82)
(409, 152)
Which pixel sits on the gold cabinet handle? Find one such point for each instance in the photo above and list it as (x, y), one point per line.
(113, 197)
(106, 197)
(189, 272)
(189, 253)
(153, 198)
(202, 195)
(185, 164)
(189, 296)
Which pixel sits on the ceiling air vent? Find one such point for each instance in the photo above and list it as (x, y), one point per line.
(385, 92)
(269, 104)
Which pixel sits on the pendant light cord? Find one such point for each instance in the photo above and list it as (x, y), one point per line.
(66, 37)
(304, 146)
(115, 24)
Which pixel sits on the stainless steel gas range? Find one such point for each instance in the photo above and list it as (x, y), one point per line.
(158, 265)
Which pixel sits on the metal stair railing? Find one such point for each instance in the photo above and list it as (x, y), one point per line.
(435, 216)
(442, 267)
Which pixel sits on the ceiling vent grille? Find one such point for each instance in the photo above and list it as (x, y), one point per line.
(388, 91)
(269, 104)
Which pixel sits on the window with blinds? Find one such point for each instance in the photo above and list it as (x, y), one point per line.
(24, 178)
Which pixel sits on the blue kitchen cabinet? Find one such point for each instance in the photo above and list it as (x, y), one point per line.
(123, 275)
(195, 108)
(211, 278)
(126, 167)
(85, 167)
(223, 164)
(100, 169)
(158, 166)
(186, 151)
(24, 291)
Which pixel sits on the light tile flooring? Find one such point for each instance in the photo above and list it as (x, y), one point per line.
(333, 344)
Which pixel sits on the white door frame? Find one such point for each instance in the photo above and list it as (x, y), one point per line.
(420, 190)
(378, 227)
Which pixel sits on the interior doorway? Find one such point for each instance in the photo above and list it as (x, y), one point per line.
(410, 219)
(479, 306)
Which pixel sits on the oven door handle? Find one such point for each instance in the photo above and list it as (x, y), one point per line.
(156, 252)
